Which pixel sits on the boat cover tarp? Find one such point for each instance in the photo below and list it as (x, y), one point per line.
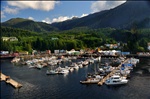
(127, 64)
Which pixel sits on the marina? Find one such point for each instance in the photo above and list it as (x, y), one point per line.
(110, 74)
(57, 65)
(64, 50)
(37, 84)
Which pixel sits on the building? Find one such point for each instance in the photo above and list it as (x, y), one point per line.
(5, 38)
(23, 53)
(4, 52)
(54, 38)
(112, 46)
(56, 51)
(73, 52)
(110, 52)
(9, 39)
(13, 39)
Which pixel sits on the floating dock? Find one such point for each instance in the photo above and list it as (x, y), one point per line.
(111, 73)
(8, 80)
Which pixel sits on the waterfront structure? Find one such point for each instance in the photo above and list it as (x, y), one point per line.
(110, 52)
(112, 46)
(24, 53)
(7, 79)
(9, 39)
(73, 52)
(111, 73)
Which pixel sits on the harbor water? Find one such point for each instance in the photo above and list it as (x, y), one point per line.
(38, 85)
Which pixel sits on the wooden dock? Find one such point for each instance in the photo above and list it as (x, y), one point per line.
(8, 80)
(111, 73)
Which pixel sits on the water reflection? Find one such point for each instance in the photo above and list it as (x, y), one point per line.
(36, 84)
(116, 87)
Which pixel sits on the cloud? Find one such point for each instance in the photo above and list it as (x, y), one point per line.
(37, 5)
(2, 14)
(46, 20)
(83, 15)
(61, 18)
(30, 18)
(11, 10)
(105, 5)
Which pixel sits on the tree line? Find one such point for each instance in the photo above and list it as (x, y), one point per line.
(78, 38)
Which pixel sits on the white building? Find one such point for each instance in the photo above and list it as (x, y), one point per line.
(9, 39)
(110, 52)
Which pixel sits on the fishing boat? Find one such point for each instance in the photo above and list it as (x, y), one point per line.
(85, 63)
(116, 80)
(80, 65)
(133, 61)
(71, 69)
(39, 66)
(74, 65)
(51, 72)
(64, 71)
(92, 79)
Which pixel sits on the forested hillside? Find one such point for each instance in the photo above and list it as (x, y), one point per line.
(30, 25)
(77, 38)
(125, 16)
(122, 17)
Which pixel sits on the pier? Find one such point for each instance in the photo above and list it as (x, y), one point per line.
(111, 73)
(8, 80)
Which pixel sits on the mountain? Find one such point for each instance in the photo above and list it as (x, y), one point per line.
(121, 17)
(125, 16)
(29, 25)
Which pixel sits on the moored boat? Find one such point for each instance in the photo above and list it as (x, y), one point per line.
(116, 80)
(51, 72)
(92, 79)
(64, 71)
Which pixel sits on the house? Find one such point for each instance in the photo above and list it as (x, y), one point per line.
(5, 38)
(54, 38)
(4, 52)
(9, 39)
(56, 51)
(23, 53)
(110, 52)
(73, 52)
(114, 46)
(13, 39)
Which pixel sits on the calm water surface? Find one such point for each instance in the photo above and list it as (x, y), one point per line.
(38, 85)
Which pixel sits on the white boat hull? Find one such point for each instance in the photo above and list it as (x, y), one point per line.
(90, 82)
(117, 83)
(51, 72)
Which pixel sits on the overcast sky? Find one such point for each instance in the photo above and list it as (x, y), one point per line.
(53, 11)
